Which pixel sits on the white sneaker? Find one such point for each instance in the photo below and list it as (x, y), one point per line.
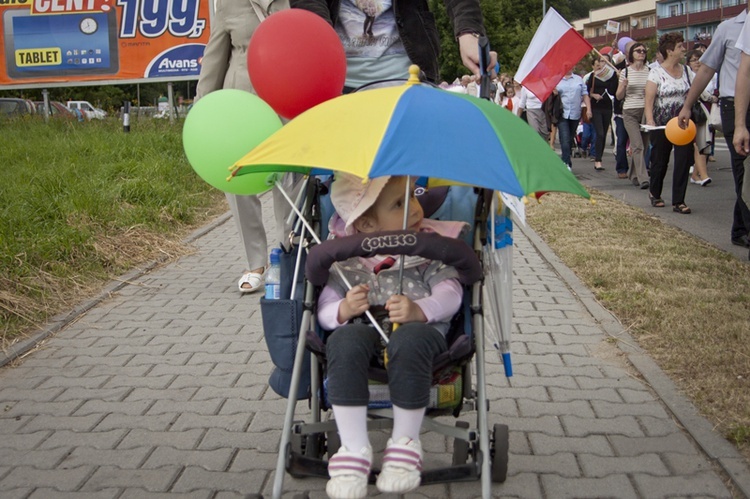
(402, 466)
(349, 472)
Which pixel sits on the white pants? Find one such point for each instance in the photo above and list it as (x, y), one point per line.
(248, 216)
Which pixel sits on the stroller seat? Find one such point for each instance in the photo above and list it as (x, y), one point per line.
(446, 394)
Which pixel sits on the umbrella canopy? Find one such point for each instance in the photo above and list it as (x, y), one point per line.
(420, 131)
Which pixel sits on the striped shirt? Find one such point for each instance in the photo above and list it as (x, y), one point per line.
(635, 93)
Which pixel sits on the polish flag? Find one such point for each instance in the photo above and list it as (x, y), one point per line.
(555, 48)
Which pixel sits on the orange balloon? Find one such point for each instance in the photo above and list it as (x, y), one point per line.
(677, 135)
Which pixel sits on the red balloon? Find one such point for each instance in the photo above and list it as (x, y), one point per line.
(296, 61)
(605, 50)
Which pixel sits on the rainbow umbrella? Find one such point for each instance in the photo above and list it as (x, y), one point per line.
(416, 130)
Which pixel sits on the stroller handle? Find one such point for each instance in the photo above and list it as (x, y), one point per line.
(450, 251)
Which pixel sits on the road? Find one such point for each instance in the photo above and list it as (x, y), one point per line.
(712, 205)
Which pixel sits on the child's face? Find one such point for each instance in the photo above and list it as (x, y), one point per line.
(388, 211)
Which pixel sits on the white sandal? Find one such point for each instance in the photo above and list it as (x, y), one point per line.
(254, 279)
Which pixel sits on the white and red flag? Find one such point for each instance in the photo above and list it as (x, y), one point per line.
(555, 48)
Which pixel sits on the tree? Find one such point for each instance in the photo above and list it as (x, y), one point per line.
(510, 26)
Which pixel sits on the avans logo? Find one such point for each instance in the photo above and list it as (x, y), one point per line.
(184, 60)
(178, 64)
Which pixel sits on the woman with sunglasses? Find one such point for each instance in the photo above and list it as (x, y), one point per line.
(632, 91)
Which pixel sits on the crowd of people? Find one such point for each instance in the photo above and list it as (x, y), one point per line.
(628, 100)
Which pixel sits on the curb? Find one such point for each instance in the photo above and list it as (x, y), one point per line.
(713, 445)
(60, 321)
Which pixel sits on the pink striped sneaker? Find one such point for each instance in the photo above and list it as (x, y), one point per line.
(402, 466)
(349, 472)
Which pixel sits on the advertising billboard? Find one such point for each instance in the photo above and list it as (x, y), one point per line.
(49, 43)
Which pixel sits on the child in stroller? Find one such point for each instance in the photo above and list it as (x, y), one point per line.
(431, 296)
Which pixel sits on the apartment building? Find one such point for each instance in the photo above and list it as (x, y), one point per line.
(646, 19)
(636, 20)
(695, 19)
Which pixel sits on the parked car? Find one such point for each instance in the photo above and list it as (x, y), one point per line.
(16, 107)
(85, 107)
(56, 109)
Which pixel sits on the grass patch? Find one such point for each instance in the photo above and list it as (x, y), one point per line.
(85, 202)
(685, 301)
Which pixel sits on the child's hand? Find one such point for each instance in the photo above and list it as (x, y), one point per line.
(354, 304)
(402, 310)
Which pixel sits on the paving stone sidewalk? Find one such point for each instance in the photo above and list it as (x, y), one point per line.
(160, 390)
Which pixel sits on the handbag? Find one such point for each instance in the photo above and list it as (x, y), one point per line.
(697, 113)
(282, 320)
(714, 118)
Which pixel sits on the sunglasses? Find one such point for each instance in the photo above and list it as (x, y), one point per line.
(639, 51)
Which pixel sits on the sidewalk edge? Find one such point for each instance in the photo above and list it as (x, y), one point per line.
(60, 321)
(715, 446)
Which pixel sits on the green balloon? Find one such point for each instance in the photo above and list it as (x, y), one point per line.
(220, 129)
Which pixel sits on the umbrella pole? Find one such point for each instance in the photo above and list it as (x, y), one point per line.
(335, 265)
(407, 195)
(297, 263)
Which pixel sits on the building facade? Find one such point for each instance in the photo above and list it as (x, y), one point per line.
(636, 20)
(646, 19)
(695, 19)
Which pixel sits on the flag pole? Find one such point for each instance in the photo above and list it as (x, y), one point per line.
(599, 54)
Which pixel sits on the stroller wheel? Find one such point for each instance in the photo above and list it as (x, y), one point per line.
(460, 447)
(499, 453)
(314, 445)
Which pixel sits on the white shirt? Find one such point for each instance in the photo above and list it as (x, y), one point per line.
(743, 41)
(722, 55)
(529, 100)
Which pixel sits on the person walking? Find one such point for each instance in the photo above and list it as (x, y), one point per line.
(224, 65)
(632, 91)
(601, 88)
(723, 56)
(621, 138)
(666, 88)
(573, 92)
(741, 141)
(535, 114)
(403, 33)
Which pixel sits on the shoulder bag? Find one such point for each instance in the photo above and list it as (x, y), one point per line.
(697, 113)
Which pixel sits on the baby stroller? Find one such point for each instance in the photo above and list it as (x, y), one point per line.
(479, 453)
